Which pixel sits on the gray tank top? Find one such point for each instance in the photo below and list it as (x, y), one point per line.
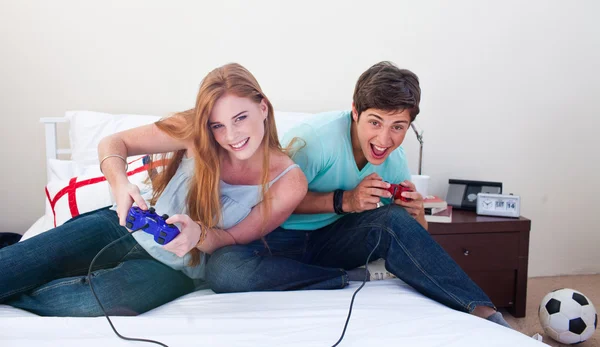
(236, 203)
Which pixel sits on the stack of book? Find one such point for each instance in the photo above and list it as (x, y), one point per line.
(437, 210)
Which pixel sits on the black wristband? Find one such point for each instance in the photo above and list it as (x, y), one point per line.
(338, 195)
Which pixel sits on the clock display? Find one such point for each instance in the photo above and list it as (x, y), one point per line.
(498, 205)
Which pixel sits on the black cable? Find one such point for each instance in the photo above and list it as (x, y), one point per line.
(357, 290)
(365, 280)
(162, 344)
(89, 278)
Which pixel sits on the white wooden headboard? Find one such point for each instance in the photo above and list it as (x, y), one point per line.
(52, 150)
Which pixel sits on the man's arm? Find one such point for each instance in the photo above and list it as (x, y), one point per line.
(364, 197)
(314, 203)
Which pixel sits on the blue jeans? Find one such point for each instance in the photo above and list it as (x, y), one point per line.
(47, 274)
(318, 259)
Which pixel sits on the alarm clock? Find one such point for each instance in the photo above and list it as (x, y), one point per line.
(500, 205)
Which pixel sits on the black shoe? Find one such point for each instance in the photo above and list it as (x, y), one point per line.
(7, 239)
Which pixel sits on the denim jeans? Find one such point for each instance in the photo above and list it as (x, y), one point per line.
(47, 274)
(318, 259)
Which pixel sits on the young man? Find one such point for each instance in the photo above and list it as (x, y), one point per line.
(349, 159)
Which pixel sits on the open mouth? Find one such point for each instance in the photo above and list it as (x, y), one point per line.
(240, 145)
(378, 152)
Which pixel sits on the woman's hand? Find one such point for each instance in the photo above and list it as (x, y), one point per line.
(146, 139)
(189, 235)
(126, 194)
(215, 239)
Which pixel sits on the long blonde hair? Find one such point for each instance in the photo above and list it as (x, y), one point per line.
(203, 199)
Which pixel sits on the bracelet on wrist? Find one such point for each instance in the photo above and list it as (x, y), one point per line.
(116, 156)
(203, 234)
(338, 197)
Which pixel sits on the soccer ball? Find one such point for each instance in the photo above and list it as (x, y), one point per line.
(568, 316)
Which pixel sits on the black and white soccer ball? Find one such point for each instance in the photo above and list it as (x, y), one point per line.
(568, 316)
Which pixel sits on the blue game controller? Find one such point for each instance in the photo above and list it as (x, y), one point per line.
(151, 223)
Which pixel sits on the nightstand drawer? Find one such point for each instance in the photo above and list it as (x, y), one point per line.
(498, 285)
(486, 251)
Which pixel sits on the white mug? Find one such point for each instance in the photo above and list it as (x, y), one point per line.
(421, 183)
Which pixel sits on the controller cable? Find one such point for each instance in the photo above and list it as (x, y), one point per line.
(89, 278)
(388, 207)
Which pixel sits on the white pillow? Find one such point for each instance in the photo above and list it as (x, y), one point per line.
(67, 199)
(61, 170)
(87, 128)
(42, 224)
(287, 120)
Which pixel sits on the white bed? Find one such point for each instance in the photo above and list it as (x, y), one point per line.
(385, 312)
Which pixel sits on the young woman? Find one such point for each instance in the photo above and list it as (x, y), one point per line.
(225, 180)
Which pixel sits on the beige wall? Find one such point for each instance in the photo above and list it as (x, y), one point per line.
(510, 88)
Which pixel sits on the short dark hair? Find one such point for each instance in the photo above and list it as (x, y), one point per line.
(386, 87)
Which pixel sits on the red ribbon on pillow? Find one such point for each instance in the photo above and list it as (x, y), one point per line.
(74, 185)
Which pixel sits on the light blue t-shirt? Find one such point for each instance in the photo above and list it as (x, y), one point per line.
(237, 202)
(328, 163)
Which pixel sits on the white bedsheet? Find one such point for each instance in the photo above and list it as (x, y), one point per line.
(385, 313)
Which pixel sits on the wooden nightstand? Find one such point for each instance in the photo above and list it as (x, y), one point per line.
(493, 251)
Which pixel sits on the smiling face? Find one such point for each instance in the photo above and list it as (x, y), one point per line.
(238, 125)
(377, 133)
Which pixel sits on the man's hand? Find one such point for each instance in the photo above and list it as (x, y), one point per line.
(415, 205)
(366, 195)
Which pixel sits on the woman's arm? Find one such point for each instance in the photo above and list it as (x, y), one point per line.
(285, 195)
(147, 139)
